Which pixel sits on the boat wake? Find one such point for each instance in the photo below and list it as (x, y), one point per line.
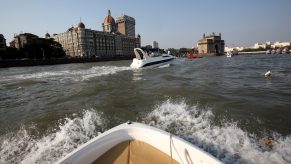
(67, 75)
(165, 66)
(23, 147)
(228, 142)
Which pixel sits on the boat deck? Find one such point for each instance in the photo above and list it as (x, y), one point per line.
(134, 152)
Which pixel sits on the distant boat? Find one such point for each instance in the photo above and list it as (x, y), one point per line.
(279, 51)
(229, 54)
(192, 56)
(285, 51)
(153, 60)
(235, 52)
(138, 143)
(268, 52)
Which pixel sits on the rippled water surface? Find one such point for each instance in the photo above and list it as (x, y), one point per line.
(223, 105)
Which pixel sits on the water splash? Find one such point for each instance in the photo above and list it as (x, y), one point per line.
(25, 148)
(72, 75)
(165, 66)
(228, 142)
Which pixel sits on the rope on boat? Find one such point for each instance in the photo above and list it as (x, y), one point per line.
(128, 161)
(171, 148)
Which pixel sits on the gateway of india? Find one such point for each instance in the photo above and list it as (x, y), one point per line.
(211, 45)
(117, 39)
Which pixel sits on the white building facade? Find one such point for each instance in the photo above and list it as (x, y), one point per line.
(155, 44)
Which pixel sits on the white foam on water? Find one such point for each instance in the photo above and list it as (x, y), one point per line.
(137, 75)
(165, 66)
(25, 148)
(74, 75)
(228, 142)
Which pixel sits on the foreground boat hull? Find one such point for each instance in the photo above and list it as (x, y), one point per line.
(175, 148)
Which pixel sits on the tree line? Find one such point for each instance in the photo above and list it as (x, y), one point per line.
(37, 48)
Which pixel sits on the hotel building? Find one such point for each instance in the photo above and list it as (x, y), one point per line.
(117, 38)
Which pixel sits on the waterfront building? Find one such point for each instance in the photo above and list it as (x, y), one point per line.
(2, 45)
(109, 24)
(31, 46)
(116, 39)
(155, 44)
(148, 47)
(227, 49)
(211, 44)
(260, 45)
(22, 39)
(281, 44)
(47, 36)
(126, 25)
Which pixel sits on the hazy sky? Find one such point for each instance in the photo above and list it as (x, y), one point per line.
(173, 23)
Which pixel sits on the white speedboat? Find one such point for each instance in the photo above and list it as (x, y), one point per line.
(144, 60)
(137, 143)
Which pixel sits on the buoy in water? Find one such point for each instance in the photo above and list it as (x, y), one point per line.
(268, 74)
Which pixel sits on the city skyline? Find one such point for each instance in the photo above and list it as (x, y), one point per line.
(172, 24)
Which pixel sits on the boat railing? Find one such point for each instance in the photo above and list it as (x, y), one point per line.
(140, 54)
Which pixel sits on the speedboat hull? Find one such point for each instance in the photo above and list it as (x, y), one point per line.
(138, 143)
(151, 62)
(144, 60)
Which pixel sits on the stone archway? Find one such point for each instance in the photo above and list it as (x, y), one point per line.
(216, 49)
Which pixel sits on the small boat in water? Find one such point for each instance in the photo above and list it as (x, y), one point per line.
(192, 56)
(279, 51)
(154, 59)
(285, 51)
(268, 52)
(273, 51)
(229, 54)
(138, 143)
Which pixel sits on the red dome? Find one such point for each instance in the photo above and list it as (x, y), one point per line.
(81, 25)
(109, 19)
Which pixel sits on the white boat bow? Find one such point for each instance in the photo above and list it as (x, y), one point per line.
(154, 145)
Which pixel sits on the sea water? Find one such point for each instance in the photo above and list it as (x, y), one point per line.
(223, 105)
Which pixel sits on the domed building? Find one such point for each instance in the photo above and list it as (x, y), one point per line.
(109, 23)
(117, 39)
(47, 35)
(81, 25)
